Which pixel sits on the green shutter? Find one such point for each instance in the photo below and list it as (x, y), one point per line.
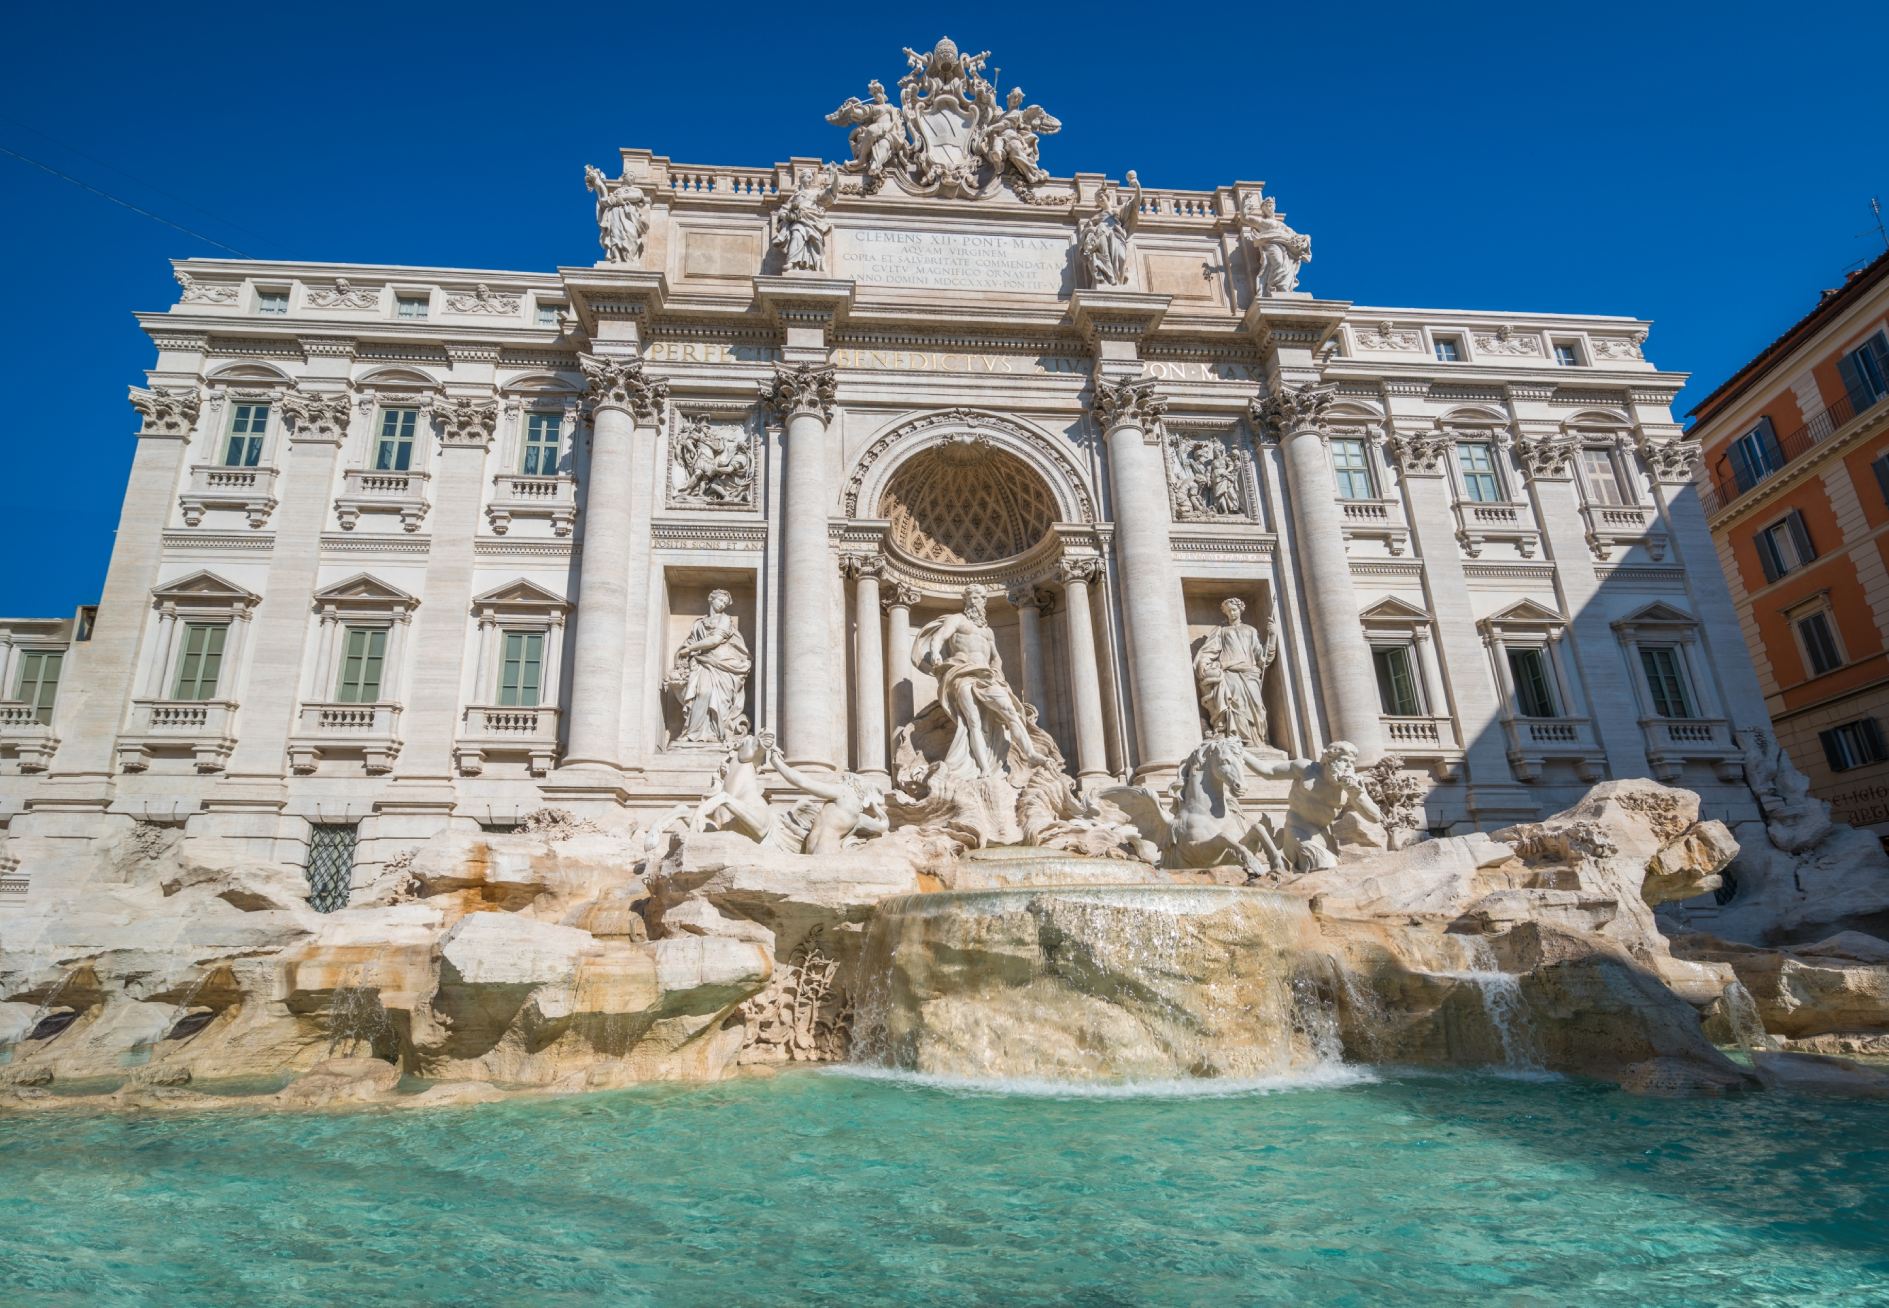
(361, 664)
(39, 681)
(198, 670)
(521, 674)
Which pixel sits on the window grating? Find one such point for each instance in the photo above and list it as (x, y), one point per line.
(330, 865)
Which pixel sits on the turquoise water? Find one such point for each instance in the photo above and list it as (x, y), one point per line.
(831, 1188)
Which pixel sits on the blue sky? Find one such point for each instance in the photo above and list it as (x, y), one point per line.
(1708, 166)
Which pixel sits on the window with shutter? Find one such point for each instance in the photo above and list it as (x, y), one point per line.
(1534, 691)
(1396, 681)
(1881, 468)
(39, 681)
(202, 660)
(363, 655)
(1818, 638)
(1853, 744)
(521, 669)
(1866, 372)
(1665, 681)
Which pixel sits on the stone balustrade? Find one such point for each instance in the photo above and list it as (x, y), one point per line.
(324, 729)
(1478, 523)
(202, 728)
(1377, 519)
(1610, 526)
(366, 490)
(520, 495)
(1533, 742)
(249, 491)
(508, 730)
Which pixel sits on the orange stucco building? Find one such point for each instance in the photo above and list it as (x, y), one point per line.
(1796, 488)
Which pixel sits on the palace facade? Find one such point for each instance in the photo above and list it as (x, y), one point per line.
(406, 547)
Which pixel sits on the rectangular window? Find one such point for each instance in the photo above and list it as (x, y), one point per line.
(544, 437)
(1603, 476)
(1820, 642)
(1854, 744)
(410, 306)
(1756, 455)
(363, 654)
(521, 669)
(246, 431)
(330, 865)
(202, 661)
(1784, 546)
(1449, 349)
(1567, 354)
(1350, 466)
(1881, 468)
(1534, 688)
(547, 314)
(272, 303)
(393, 452)
(1396, 681)
(1866, 371)
(1665, 682)
(1478, 467)
(39, 681)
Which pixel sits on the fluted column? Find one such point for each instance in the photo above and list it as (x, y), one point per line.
(1295, 415)
(1029, 603)
(615, 525)
(1167, 721)
(898, 665)
(1085, 685)
(868, 666)
(803, 397)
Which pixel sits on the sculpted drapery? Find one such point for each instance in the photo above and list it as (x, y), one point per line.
(1231, 671)
(710, 676)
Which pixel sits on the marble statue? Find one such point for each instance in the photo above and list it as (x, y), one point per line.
(960, 651)
(1008, 142)
(1322, 793)
(622, 216)
(878, 135)
(841, 808)
(710, 675)
(1102, 237)
(800, 226)
(717, 466)
(1794, 819)
(737, 800)
(1198, 825)
(1273, 250)
(1231, 671)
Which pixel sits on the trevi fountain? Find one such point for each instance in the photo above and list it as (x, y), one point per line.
(1116, 950)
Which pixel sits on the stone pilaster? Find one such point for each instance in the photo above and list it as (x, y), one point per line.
(1030, 604)
(898, 601)
(1085, 685)
(868, 666)
(625, 404)
(1160, 674)
(803, 395)
(1295, 416)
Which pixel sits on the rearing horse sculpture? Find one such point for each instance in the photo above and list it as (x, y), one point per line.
(1194, 834)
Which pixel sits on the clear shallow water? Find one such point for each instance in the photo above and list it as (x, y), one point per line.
(828, 1188)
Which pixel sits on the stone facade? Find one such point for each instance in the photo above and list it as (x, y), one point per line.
(406, 548)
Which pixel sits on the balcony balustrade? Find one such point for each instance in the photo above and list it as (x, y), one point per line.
(1479, 522)
(205, 728)
(326, 729)
(1732, 476)
(1377, 519)
(365, 490)
(493, 730)
(521, 495)
(249, 491)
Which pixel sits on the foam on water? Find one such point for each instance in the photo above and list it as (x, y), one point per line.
(1325, 1076)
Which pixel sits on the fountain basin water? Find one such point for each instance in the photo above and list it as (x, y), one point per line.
(1096, 983)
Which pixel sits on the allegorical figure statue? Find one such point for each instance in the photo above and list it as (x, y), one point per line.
(1102, 237)
(842, 807)
(710, 675)
(1322, 792)
(1009, 138)
(878, 135)
(717, 465)
(622, 216)
(799, 227)
(961, 652)
(1273, 250)
(1231, 671)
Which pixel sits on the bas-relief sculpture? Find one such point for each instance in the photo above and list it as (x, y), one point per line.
(1273, 250)
(343, 295)
(622, 216)
(799, 227)
(710, 675)
(1102, 236)
(1231, 671)
(713, 465)
(1205, 477)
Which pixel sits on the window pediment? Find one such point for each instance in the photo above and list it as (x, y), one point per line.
(365, 592)
(1527, 613)
(205, 589)
(1392, 611)
(520, 598)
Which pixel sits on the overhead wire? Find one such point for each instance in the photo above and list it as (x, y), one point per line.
(137, 209)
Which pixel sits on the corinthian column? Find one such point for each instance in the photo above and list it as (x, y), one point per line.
(616, 537)
(803, 397)
(868, 666)
(1295, 415)
(1085, 686)
(898, 665)
(1167, 722)
(1029, 603)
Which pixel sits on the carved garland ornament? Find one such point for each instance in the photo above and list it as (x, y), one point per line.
(801, 388)
(622, 384)
(166, 412)
(343, 295)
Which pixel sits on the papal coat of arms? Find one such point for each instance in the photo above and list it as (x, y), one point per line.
(947, 134)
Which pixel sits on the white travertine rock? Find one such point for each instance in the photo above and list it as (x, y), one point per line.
(698, 917)
(505, 949)
(1806, 990)
(1821, 1074)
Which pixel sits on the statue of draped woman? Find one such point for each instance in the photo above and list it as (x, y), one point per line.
(1231, 671)
(710, 675)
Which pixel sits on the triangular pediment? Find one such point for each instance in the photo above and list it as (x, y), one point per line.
(520, 593)
(1526, 613)
(1392, 609)
(1658, 614)
(204, 588)
(365, 588)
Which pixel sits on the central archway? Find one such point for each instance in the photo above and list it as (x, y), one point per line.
(966, 503)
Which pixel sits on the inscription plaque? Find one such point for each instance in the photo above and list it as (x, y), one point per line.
(953, 261)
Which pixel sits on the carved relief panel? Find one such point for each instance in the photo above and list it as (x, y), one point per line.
(714, 457)
(1211, 474)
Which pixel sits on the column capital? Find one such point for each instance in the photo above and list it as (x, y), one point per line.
(859, 565)
(320, 417)
(1292, 410)
(796, 389)
(168, 412)
(1546, 456)
(622, 384)
(1080, 571)
(1026, 595)
(1669, 457)
(1419, 453)
(1131, 403)
(899, 595)
(466, 422)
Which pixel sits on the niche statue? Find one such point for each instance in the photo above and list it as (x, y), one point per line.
(710, 675)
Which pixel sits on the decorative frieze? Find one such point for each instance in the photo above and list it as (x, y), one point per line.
(1505, 340)
(196, 292)
(1385, 336)
(343, 295)
(482, 299)
(1613, 349)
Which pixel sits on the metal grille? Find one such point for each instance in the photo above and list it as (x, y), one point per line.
(330, 865)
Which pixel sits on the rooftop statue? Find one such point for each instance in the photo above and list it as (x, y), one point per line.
(799, 227)
(1273, 250)
(1102, 237)
(622, 216)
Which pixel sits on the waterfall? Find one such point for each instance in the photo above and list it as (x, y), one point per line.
(1507, 1011)
(355, 1014)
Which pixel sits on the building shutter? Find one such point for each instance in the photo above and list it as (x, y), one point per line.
(1767, 555)
(1832, 751)
(1881, 468)
(1800, 537)
(1872, 736)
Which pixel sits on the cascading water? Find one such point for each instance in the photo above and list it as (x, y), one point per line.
(356, 1017)
(1096, 983)
(1507, 1011)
